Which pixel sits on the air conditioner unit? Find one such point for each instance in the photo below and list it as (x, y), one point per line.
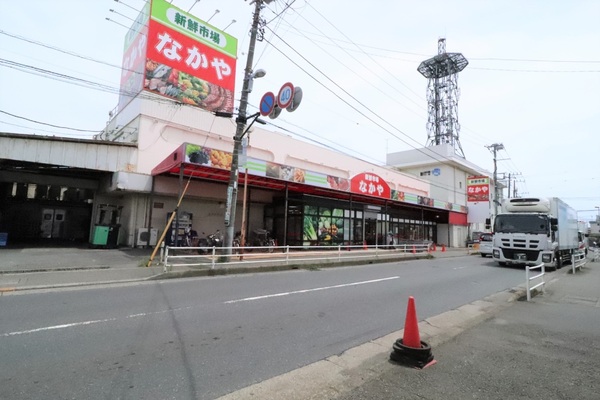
(145, 238)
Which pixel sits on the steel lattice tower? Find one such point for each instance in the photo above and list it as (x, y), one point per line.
(442, 96)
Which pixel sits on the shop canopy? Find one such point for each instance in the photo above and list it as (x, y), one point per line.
(202, 163)
(208, 167)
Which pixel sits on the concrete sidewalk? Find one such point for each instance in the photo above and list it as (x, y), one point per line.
(52, 267)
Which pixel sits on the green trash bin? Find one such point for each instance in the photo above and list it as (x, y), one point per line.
(106, 236)
(100, 235)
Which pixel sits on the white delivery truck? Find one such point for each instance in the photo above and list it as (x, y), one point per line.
(531, 231)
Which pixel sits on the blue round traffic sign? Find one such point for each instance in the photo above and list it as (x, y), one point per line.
(286, 95)
(267, 103)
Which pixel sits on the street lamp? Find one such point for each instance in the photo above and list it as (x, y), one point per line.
(232, 189)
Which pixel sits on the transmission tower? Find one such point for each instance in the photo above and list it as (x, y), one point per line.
(442, 97)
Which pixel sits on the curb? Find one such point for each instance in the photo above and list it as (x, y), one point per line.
(218, 271)
(61, 269)
(73, 285)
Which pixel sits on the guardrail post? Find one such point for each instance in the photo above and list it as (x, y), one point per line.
(578, 260)
(165, 260)
(339, 253)
(287, 254)
(529, 278)
(214, 253)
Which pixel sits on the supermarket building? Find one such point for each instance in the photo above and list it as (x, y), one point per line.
(132, 175)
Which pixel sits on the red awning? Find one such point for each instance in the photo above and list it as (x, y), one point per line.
(175, 163)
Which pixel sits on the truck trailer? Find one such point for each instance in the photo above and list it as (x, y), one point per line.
(531, 231)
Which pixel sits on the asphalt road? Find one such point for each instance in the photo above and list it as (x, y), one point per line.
(202, 338)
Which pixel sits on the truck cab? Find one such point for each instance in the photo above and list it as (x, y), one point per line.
(528, 232)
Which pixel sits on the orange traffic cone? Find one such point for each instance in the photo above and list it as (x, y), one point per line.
(364, 245)
(411, 336)
(414, 250)
(443, 247)
(434, 247)
(410, 350)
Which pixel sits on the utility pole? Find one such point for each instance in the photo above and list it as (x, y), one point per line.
(495, 147)
(232, 189)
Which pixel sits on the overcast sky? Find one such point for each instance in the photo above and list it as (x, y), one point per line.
(532, 82)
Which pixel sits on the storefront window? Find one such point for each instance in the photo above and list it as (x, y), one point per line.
(318, 222)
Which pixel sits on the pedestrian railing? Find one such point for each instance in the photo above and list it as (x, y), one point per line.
(210, 257)
(578, 260)
(595, 255)
(541, 283)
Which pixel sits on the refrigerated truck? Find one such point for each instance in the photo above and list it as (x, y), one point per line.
(531, 231)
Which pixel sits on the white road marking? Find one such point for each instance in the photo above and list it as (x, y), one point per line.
(99, 321)
(267, 296)
(83, 323)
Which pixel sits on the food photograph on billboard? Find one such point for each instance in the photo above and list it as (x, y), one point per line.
(189, 60)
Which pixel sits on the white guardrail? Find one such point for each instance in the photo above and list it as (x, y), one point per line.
(595, 254)
(530, 278)
(248, 256)
(578, 260)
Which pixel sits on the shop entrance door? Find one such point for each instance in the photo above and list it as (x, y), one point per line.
(370, 231)
(53, 220)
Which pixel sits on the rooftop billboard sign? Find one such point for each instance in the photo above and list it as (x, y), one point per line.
(174, 54)
(189, 60)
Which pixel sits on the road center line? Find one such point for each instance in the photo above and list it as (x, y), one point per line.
(267, 296)
(99, 321)
(83, 323)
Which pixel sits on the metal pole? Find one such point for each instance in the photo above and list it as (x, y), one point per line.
(243, 230)
(232, 189)
(495, 147)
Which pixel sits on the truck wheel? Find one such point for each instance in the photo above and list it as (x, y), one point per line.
(501, 263)
(557, 262)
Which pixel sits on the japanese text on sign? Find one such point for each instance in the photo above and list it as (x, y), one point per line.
(197, 28)
(477, 189)
(173, 50)
(371, 185)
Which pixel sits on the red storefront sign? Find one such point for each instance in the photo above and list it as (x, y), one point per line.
(478, 193)
(370, 184)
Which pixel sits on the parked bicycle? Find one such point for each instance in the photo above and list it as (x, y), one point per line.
(212, 240)
(261, 238)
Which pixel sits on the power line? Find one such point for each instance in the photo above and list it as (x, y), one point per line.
(47, 124)
(443, 160)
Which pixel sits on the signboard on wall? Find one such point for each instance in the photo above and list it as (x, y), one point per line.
(370, 184)
(478, 188)
(478, 198)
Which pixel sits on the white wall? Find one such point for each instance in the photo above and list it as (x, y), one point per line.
(443, 234)
(165, 127)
